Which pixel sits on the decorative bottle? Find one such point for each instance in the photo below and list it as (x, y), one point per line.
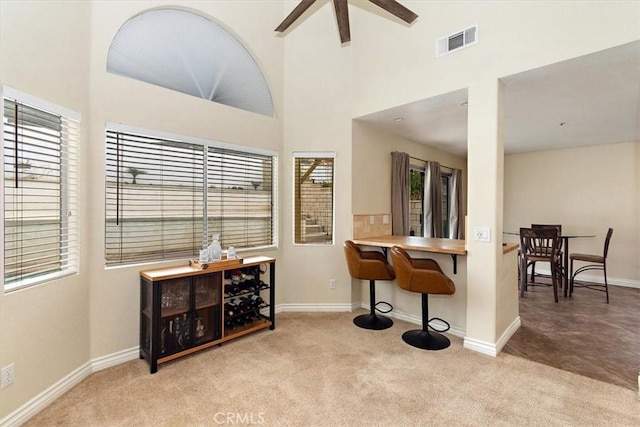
(215, 249)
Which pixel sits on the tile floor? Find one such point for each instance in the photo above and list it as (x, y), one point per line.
(582, 334)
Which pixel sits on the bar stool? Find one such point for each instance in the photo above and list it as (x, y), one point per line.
(426, 277)
(371, 266)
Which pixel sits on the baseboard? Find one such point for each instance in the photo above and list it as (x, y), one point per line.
(44, 399)
(598, 278)
(314, 308)
(480, 346)
(114, 359)
(493, 349)
(508, 333)
(489, 348)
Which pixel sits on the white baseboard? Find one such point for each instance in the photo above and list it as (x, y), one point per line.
(44, 399)
(597, 278)
(493, 349)
(114, 359)
(313, 308)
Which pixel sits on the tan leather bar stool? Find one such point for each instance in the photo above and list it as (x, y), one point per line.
(426, 277)
(371, 266)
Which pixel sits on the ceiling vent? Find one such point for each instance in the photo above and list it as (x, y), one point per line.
(457, 41)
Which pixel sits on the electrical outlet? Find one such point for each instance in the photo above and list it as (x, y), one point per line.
(372, 219)
(8, 375)
(385, 219)
(332, 284)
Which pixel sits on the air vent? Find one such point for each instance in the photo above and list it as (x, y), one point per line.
(457, 41)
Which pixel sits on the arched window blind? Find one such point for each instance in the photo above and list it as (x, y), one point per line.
(188, 53)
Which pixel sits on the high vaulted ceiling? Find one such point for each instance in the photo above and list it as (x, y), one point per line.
(589, 100)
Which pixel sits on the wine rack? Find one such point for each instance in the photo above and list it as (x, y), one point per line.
(186, 309)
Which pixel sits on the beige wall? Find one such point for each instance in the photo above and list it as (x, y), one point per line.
(318, 87)
(44, 330)
(53, 329)
(372, 149)
(587, 190)
(317, 118)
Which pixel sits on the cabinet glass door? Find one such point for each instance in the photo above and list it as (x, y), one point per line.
(207, 319)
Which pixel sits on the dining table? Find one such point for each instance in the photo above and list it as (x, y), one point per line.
(566, 237)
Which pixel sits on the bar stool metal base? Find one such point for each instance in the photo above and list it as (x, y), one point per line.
(426, 340)
(372, 321)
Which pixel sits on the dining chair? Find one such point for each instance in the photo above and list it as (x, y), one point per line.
(533, 264)
(540, 245)
(595, 262)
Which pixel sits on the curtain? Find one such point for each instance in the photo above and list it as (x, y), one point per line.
(400, 203)
(455, 205)
(432, 200)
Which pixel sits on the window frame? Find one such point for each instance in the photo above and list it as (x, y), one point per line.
(206, 201)
(310, 155)
(68, 197)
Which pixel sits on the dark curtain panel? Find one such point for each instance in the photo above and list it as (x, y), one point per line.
(455, 206)
(400, 193)
(432, 200)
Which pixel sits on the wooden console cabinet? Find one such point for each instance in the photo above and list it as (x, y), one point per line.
(187, 308)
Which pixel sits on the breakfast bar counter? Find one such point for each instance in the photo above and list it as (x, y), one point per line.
(453, 247)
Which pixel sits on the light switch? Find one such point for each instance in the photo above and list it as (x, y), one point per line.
(482, 234)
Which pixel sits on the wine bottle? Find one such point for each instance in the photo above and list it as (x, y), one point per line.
(228, 310)
(256, 301)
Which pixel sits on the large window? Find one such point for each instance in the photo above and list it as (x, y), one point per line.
(40, 211)
(166, 197)
(313, 198)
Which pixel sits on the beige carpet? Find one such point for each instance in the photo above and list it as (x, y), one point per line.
(321, 370)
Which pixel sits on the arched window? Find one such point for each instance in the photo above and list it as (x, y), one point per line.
(189, 53)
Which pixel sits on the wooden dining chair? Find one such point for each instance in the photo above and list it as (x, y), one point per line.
(595, 262)
(540, 245)
(533, 264)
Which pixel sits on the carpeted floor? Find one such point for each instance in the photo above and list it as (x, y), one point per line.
(318, 369)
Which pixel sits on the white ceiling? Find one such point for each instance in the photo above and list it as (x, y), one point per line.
(596, 96)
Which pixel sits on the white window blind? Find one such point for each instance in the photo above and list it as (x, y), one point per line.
(157, 200)
(313, 198)
(40, 194)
